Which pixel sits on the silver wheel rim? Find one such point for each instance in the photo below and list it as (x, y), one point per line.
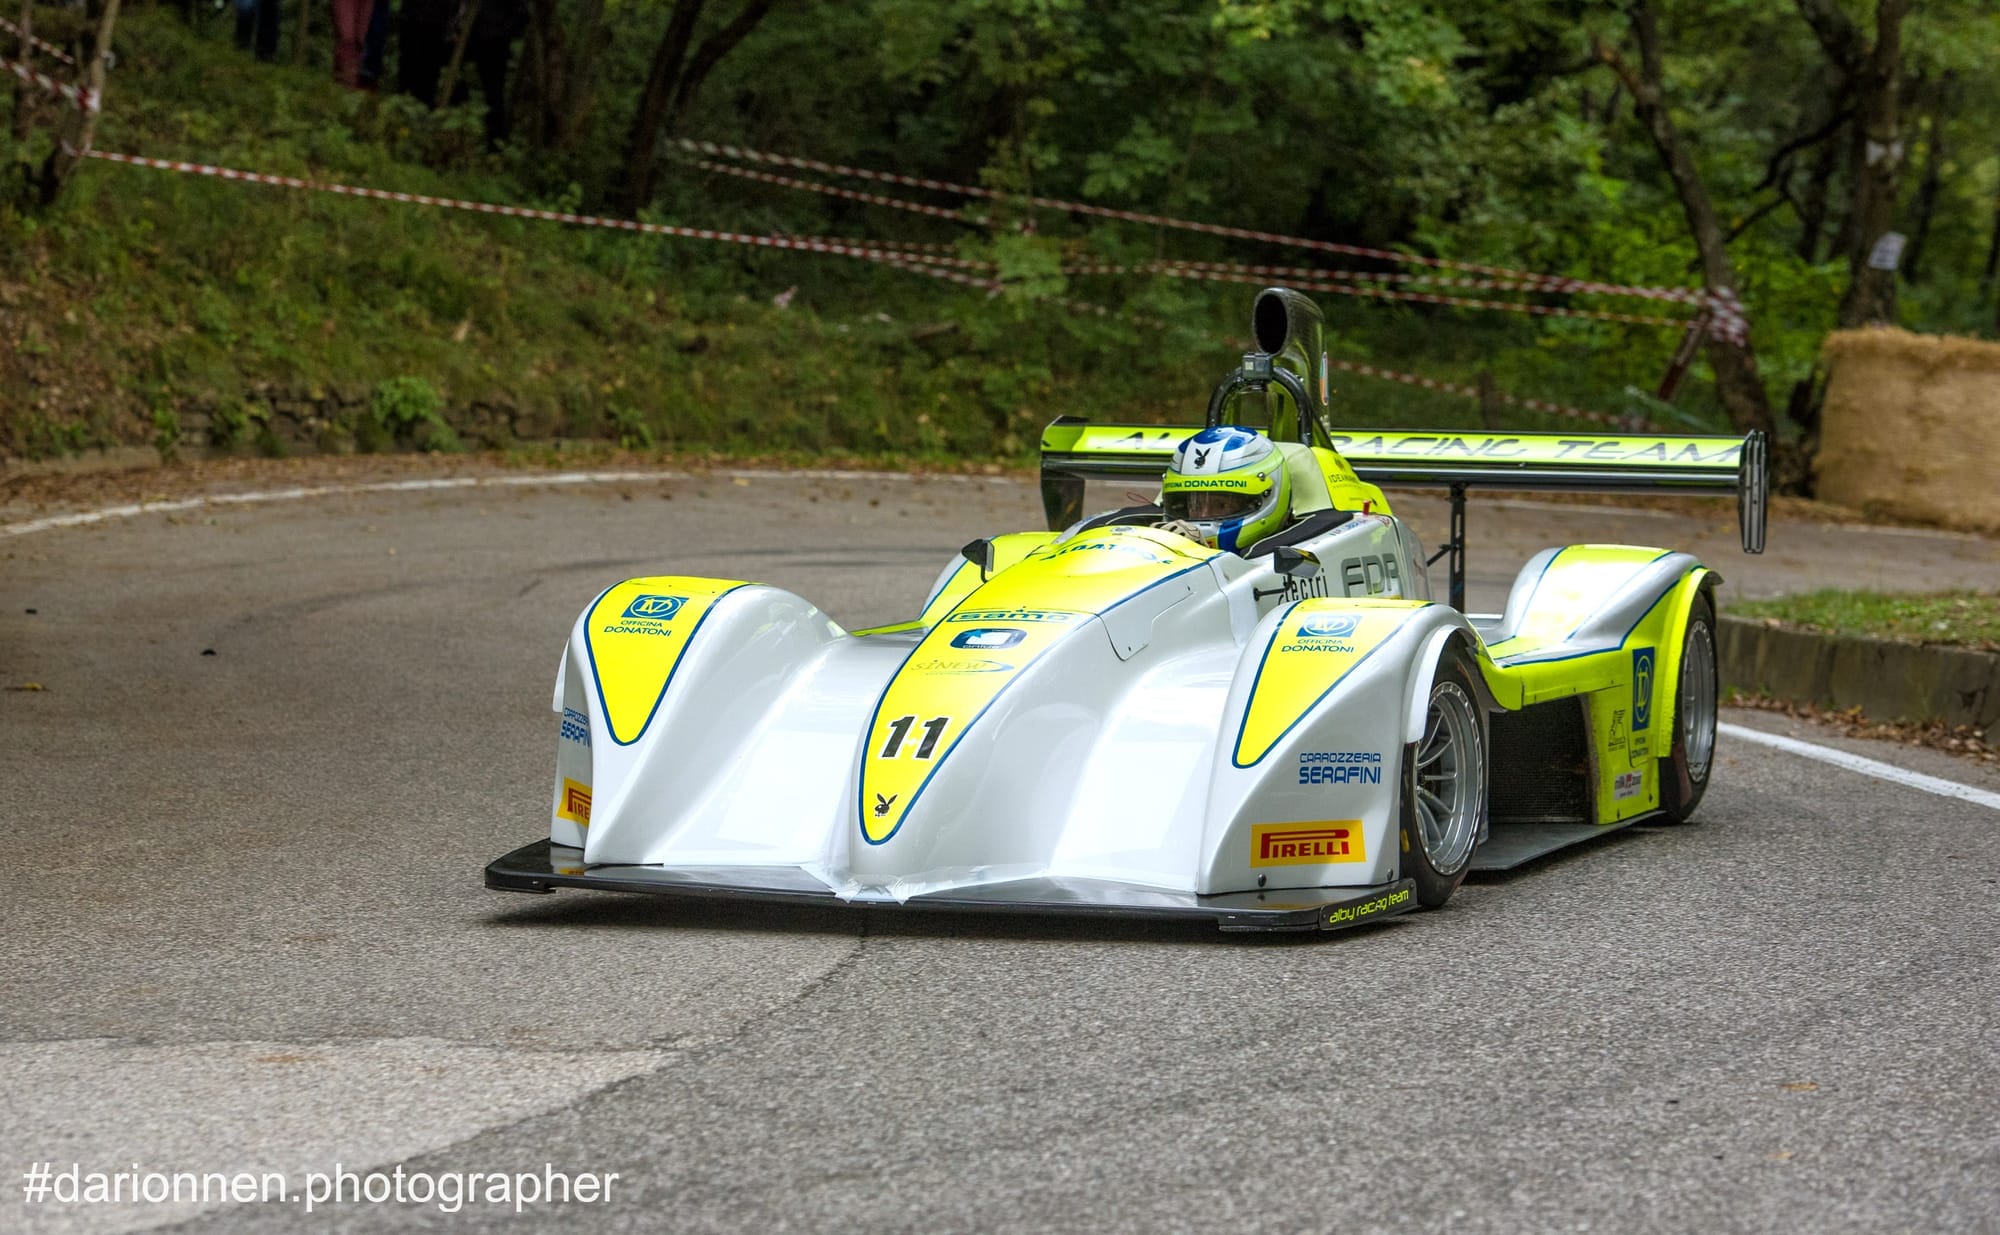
(1447, 778)
(1697, 705)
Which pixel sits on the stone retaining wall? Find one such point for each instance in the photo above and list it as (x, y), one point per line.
(1888, 680)
(288, 420)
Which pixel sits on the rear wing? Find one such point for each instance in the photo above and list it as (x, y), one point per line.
(1075, 452)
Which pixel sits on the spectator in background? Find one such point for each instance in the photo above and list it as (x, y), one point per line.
(430, 32)
(350, 32)
(257, 26)
(425, 44)
(375, 45)
(494, 28)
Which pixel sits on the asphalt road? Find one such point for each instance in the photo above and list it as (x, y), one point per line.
(247, 931)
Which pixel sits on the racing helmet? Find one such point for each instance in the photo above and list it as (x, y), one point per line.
(1229, 484)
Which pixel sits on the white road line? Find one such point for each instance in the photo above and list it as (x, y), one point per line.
(1867, 767)
(100, 515)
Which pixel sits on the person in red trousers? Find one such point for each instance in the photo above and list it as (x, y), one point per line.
(350, 33)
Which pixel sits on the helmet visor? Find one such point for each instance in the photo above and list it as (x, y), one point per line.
(1209, 505)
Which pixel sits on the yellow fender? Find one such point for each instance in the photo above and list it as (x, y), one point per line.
(1679, 607)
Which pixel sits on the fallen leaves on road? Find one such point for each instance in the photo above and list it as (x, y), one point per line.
(1965, 741)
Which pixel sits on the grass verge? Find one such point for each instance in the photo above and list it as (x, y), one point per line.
(1961, 619)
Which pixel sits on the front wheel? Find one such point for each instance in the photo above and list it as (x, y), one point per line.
(1444, 788)
(1684, 772)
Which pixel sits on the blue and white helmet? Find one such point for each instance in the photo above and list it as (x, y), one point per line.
(1229, 483)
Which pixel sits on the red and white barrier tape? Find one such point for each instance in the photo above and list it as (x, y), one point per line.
(1221, 273)
(1727, 317)
(1726, 321)
(912, 247)
(838, 248)
(1348, 366)
(1547, 284)
(1381, 293)
(47, 48)
(918, 257)
(84, 99)
(1552, 282)
(810, 244)
(993, 287)
(1472, 392)
(831, 190)
(720, 150)
(807, 244)
(1693, 296)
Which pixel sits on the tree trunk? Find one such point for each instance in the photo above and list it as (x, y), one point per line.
(25, 100)
(545, 70)
(652, 110)
(671, 88)
(1812, 203)
(1992, 265)
(1737, 381)
(1875, 162)
(448, 84)
(1992, 252)
(712, 50)
(1871, 290)
(299, 36)
(567, 57)
(587, 50)
(79, 126)
(1847, 224)
(1932, 181)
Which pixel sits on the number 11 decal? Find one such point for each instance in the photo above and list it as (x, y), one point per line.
(899, 729)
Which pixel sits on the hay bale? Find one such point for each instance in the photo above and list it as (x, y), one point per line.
(1911, 427)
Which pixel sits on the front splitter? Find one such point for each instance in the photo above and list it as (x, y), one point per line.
(542, 867)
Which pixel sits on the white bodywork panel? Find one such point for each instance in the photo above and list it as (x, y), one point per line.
(1112, 755)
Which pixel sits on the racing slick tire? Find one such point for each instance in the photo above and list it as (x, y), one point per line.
(1684, 772)
(1444, 787)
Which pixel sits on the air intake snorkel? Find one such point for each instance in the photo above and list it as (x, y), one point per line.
(1291, 342)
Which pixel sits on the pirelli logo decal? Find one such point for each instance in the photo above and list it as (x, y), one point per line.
(574, 804)
(1307, 844)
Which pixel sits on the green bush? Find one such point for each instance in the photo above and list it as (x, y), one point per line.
(409, 409)
(234, 423)
(166, 432)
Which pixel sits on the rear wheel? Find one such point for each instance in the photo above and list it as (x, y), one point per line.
(1684, 772)
(1444, 788)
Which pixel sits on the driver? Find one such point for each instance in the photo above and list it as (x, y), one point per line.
(1226, 488)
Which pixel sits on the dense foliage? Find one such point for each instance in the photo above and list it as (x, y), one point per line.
(1517, 135)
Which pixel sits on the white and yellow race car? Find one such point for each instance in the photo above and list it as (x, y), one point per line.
(1113, 718)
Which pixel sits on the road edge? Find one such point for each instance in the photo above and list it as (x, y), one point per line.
(1887, 679)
